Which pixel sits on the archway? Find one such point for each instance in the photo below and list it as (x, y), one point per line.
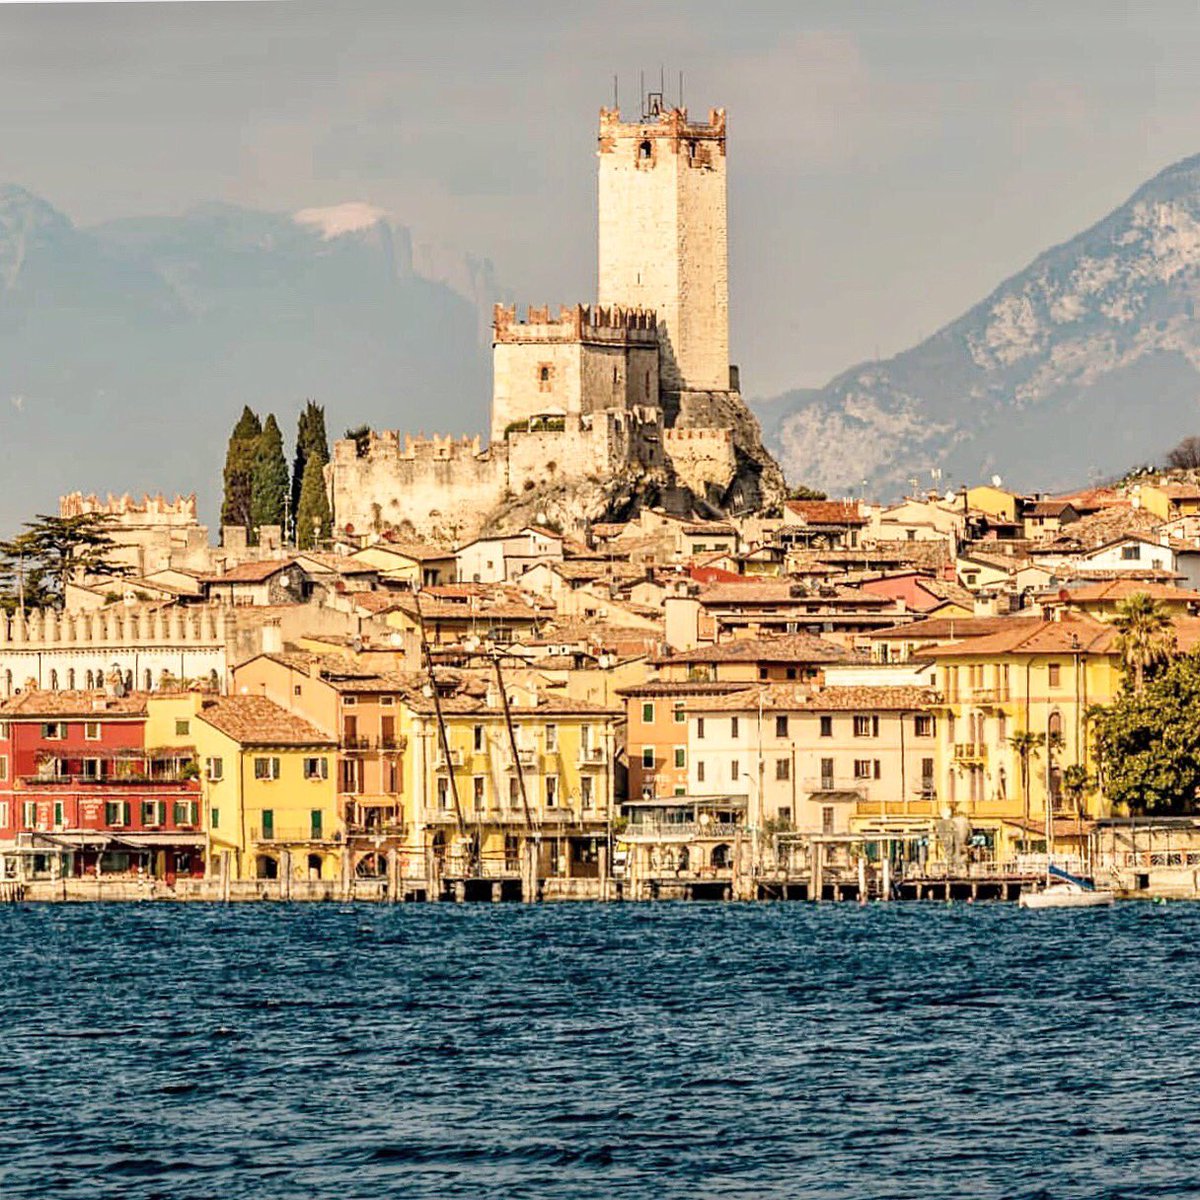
(719, 857)
(266, 867)
(314, 866)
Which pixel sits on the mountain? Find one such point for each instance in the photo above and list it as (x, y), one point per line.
(127, 349)
(1084, 364)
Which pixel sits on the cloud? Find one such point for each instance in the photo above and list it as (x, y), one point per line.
(17, 401)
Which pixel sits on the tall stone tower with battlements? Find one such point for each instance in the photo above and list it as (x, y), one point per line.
(663, 241)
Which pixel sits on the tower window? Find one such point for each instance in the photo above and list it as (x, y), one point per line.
(644, 150)
(545, 377)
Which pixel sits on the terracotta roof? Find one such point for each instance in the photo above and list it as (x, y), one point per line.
(792, 697)
(682, 687)
(375, 602)
(1178, 491)
(1049, 508)
(417, 551)
(1122, 589)
(250, 572)
(827, 512)
(339, 564)
(257, 721)
(788, 648)
(935, 628)
(343, 673)
(1100, 528)
(787, 591)
(89, 704)
(1091, 500)
(1071, 635)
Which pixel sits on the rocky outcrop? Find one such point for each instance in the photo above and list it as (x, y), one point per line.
(1085, 362)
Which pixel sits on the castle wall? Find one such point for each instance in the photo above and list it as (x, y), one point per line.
(150, 534)
(436, 489)
(663, 237)
(701, 457)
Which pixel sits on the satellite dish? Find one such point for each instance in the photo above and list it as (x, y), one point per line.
(996, 481)
(1135, 502)
(950, 496)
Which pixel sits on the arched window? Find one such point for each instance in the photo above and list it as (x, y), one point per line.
(90, 680)
(71, 679)
(645, 150)
(1054, 726)
(54, 681)
(148, 680)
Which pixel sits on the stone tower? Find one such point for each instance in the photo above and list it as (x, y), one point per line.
(663, 242)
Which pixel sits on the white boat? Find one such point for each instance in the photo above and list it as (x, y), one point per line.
(1062, 893)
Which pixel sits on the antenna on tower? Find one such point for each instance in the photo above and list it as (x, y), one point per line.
(681, 89)
(616, 98)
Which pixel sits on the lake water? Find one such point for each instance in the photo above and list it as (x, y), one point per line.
(577, 1051)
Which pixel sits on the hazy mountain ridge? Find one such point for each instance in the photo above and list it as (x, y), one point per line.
(128, 348)
(1086, 361)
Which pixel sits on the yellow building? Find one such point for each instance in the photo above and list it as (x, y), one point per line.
(269, 789)
(1170, 500)
(484, 802)
(1028, 677)
(994, 502)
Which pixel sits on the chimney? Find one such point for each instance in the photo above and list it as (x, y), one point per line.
(272, 637)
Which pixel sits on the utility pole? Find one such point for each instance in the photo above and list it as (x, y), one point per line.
(532, 839)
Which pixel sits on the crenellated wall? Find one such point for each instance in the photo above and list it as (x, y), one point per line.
(59, 650)
(701, 457)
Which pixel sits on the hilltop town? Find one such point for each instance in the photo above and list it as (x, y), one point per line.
(606, 655)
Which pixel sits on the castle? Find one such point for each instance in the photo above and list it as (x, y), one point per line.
(634, 393)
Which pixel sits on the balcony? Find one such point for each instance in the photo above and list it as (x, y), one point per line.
(456, 760)
(830, 784)
(174, 781)
(285, 834)
(592, 756)
(987, 696)
(527, 757)
(970, 752)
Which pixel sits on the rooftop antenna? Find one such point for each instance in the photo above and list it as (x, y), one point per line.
(681, 89)
(616, 98)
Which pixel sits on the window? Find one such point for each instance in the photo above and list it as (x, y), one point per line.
(477, 792)
(645, 150)
(781, 726)
(699, 770)
(182, 727)
(648, 713)
(827, 727)
(3, 767)
(316, 768)
(680, 757)
(699, 727)
(297, 690)
(1001, 728)
(827, 819)
(185, 812)
(862, 768)
(924, 725)
(387, 701)
(214, 818)
(762, 672)
(59, 814)
(514, 793)
(551, 790)
(315, 823)
(680, 715)
(4, 725)
(551, 738)
(52, 731)
(783, 769)
(1054, 725)
(680, 791)
(152, 812)
(790, 673)
(1055, 673)
(587, 794)
(91, 731)
(443, 792)
(214, 768)
(116, 812)
(733, 727)
(866, 726)
(266, 768)
(1131, 553)
(477, 734)
(29, 814)
(349, 701)
(268, 823)
(648, 757)
(3, 814)
(735, 769)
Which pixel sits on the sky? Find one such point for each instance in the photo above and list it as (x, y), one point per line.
(889, 163)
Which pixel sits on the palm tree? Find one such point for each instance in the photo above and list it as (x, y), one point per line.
(1026, 745)
(1147, 636)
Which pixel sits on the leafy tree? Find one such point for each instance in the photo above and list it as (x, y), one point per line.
(39, 563)
(361, 436)
(803, 492)
(1078, 783)
(239, 470)
(310, 439)
(1148, 742)
(1026, 745)
(1147, 637)
(313, 519)
(269, 485)
(1186, 455)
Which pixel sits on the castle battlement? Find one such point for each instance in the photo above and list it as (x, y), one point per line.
(670, 124)
(150, 510)
(714, 437)
(392, 444)
(575, 323)
(109, 628)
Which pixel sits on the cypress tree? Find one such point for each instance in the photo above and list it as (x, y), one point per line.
(269, 493)
(239, 469)
(313, 509)
(310, 439)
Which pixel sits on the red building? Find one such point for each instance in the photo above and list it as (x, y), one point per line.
(81, 794)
